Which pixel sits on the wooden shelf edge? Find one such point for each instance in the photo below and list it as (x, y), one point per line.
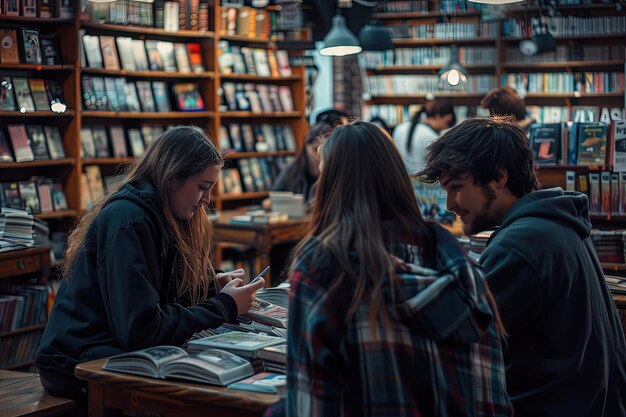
(146, 30)
(23, 330)
(148, 74)
(244, 196)
(56, 214)
(252, 77)
(613, 266)
(107, 161)
(67, 113)
(247, 114)
(146, 115)
(40, 163)
(37, 67)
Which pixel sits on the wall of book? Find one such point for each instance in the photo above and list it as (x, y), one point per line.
(126, 71)
(586, 70)
(85, 87)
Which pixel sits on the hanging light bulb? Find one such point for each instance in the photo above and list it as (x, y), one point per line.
(453, 74)
(340, 41)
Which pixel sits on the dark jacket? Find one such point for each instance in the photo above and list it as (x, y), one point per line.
(566, 354)
(122, 293)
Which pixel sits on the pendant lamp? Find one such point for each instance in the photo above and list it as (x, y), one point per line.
(340, 41)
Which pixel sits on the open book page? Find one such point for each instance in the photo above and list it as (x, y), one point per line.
(145, 362)
(212, 366)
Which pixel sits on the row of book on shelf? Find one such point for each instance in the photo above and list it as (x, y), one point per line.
(563, 26)
(265, 137)
(402, 84)
(257, 98)
(245, 21)
(586, 144)
(116, 141)
(474, 55)
(23, 306)
(31, 94)
(394, 114)
(118, 94)
(565, 82)
(30, 142)
(169, 15)
(37, 195)
(123, 52)
(252, 174)
(234, 59)
(28, 46)
(445, 30)
(17, 349)
(37, 8)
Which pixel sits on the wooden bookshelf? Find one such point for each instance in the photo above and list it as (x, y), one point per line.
(149, 74)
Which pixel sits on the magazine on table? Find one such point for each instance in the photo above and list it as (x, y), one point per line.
(266, 382)
(245, 344)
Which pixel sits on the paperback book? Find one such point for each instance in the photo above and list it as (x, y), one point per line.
(244, 344)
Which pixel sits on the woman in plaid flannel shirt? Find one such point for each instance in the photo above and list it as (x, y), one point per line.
(388, 317)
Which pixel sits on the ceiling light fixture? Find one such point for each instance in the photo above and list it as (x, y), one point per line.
(453, 74)
(340, 41)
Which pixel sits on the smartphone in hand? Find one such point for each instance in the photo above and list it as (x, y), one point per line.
(267, 268)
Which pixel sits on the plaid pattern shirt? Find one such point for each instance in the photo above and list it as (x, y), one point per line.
(441, 357)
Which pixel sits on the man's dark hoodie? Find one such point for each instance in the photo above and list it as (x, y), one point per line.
(566, 354)
(122, 292)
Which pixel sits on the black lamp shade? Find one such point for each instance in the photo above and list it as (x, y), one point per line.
(375, 38)
(340, 41)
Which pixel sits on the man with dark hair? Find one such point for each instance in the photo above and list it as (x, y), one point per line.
(566, 353)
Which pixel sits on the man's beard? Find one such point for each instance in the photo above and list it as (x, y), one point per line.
(482, 221)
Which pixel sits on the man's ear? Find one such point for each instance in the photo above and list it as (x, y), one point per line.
(503, 178)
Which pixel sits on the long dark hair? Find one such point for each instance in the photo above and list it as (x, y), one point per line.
(362, 184)
(440, 106)
(177, 154)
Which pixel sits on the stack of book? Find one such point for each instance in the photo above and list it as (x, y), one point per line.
(278, 295)
(16, 229)
(616, 284)
(288, 202)
(609, 245)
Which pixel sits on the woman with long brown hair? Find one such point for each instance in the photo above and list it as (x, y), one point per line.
(388, 317)
(137, 270)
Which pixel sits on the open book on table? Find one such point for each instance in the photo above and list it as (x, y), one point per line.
(209, 366)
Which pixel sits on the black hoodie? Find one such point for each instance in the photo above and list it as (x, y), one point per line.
(122, 295)
(566, 354)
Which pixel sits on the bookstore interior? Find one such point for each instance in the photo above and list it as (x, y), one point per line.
(87, 85)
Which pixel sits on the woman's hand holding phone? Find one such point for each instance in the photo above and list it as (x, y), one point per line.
(243, 295)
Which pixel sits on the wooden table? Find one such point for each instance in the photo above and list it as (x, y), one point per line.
(261, 237)
(21, 394)
(111, 392)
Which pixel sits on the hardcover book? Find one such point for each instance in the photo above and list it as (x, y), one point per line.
(58, 196)
(11, 195)
(125, 53)
(244, 344)
(31, 46)
(144, 89)
(137, 145)
(182, 59)
(55, 142)
(118, 141)
(210, 366)
(267, 313)
(266, 382)
(5, 148)
(91, 45)
(22, 95)
(20, 143)
(140, 56)
(50, 54)
(101, 141)
(94, 182)
(38, 142)
(56, 96)
(188, 97)
(544, 141)
(109, 53)
(39, 94)
(166, 51)
(28, 193)
(87, 145)
(9, 52)
(45, 197)
(592, 140)
(7, 101)
(195, 57)
(161, 97)
(154, 57)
